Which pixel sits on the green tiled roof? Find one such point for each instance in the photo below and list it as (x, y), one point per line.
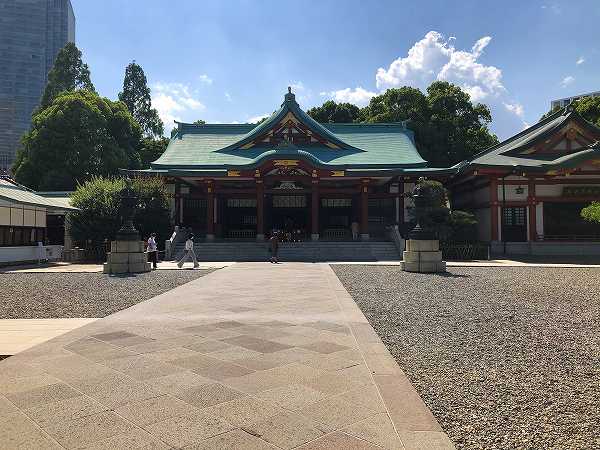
(506, 153)
(15, 193)
(364, 146)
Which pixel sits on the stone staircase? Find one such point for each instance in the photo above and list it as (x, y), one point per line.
(294, 251)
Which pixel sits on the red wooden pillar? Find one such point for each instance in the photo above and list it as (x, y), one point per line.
(260, 210)
(210, 211)
(364, 210)
(531, 204)
(494, 207)
(314, 211)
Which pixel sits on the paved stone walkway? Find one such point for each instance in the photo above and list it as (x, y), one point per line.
(253, 356)
(17, 335)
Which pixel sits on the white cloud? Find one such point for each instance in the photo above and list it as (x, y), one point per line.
(515, 108)
(228, 97)
(436, 58)
(566, 81)
(580, 61)
(205, 79)
(357, 96)
(257, 118)
(174, 101)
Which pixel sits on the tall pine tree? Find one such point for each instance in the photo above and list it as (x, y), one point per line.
(136, 96)
(69, 73)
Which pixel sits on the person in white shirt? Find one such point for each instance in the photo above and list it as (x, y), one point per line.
(189, 253)
(152, 250)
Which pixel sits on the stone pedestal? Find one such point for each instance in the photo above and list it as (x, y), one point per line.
(423, 256)
(126, 257)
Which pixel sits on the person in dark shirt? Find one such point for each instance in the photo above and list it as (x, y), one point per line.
(274, 243)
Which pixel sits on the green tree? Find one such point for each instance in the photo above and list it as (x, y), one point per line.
(136, 96)
(199, 122)
(437, 217)
(69, 73)
(456, 129)
(587, 107)
(332, 112)
(98, 217)
(448, 127)
(151, 150)
(591, 213)
(78, 136)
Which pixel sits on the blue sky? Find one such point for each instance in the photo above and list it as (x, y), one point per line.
(231, 61)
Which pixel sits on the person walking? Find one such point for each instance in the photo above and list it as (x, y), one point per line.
(354, 229)
(152, 250)
(274, 242)
(189, 253)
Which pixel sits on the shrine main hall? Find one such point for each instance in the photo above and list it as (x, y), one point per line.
(322, 180)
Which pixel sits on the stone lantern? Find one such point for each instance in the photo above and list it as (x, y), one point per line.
(127, 250)
(422, 252)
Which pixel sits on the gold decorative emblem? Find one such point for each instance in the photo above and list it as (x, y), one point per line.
(233, 173)
(285, 162)
(337, 173)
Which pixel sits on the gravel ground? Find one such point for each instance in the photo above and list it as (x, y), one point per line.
(506, 358)
(47, 295)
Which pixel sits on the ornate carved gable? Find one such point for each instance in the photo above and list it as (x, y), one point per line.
(290, 129)
(570, 139)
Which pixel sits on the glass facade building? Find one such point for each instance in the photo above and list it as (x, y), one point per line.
(32, 32)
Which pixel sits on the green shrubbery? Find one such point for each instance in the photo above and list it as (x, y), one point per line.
(445, 224)
(99, 217)
(591, 213)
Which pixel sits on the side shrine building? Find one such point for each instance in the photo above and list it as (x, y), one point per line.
(240, 181)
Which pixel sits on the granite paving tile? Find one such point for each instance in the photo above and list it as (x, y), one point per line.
(377, 429)
(41, 395)
(142, 367)
(287, 430)
(137, 439)
(64, 410)
(177, 382)
(232, 440)
(18, 432)
(336, 412)
(208, 395)
(89, 429)
(192, 428)
(292, 397)
(207, 346)
(244, 410)
(338, 441)
(12, 385)
(257, 344)
(425, 440)
(154, 409)
(324, 347)
(221, 370)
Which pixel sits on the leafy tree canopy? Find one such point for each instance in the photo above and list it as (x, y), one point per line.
(199, 122)
(591, 213)
(69, 73)
(588, 107)
(151, 150)
(448, 127)
(136, 96)
(332, 112)
(78, 136)
(99, 215)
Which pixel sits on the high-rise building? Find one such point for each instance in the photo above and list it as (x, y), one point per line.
(32, 32)
(562, 102)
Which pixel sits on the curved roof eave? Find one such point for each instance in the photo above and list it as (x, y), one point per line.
(290, 105)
